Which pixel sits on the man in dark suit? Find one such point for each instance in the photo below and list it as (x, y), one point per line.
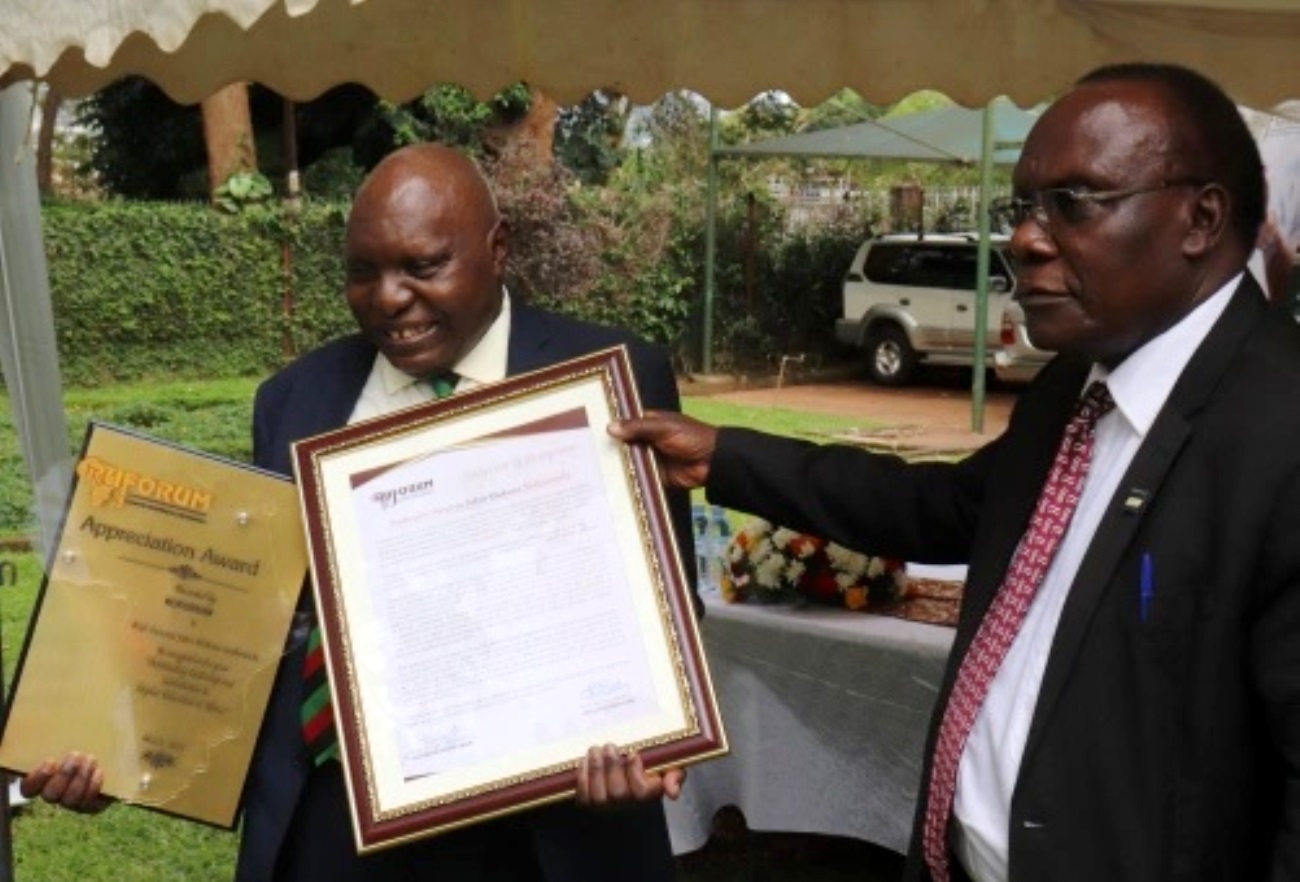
(1137, 715)
(425, 260)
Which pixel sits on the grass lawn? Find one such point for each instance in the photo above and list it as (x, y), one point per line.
(128, 844)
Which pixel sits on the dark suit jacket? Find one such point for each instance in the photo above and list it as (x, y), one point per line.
(316, 394)
(1159, 750)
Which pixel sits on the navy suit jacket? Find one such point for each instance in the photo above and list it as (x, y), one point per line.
(316, 394)
(1160, 749)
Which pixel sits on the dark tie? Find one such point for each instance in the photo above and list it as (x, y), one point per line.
(317, 710)
(443, 385)
(996, 632)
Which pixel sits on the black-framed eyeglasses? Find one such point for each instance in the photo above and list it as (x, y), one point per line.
(1066, 206)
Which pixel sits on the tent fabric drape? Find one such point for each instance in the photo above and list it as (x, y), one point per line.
(28, 352)
(728, 50)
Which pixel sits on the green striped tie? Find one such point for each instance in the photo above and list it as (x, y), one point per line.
(317, 713)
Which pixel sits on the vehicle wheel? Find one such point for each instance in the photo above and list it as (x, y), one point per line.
(890, 358)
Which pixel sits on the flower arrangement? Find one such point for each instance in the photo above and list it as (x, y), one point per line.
(770, 564)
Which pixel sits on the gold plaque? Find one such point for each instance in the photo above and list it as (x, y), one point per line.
(160, 624)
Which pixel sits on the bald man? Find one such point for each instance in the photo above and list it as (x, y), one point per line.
(425, 262)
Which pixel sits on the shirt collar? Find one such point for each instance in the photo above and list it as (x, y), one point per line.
(485, 363)
(1142, 382)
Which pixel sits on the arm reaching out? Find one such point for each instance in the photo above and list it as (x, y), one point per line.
(685, 446)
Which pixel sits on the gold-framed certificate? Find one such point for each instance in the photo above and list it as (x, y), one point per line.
(160, 623)
(499, 589)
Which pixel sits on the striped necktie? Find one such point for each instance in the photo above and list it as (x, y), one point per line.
(1033, 557)
(317, 711)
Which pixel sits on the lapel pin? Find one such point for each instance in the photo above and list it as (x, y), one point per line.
(1134, 500)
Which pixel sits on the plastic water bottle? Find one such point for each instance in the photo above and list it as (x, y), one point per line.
(705, 573)
(712, 535)
(721, 536)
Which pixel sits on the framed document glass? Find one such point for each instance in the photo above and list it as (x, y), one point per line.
(160, 624)
(499, 589)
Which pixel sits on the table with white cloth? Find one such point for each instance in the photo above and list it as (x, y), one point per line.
(826, 711)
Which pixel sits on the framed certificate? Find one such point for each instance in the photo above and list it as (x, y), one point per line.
(160, 624)
(499, 589)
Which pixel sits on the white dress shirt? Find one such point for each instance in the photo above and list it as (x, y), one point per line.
(387, 389)
(990, 763)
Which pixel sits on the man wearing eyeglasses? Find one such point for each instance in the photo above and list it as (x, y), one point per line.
(1123, 697)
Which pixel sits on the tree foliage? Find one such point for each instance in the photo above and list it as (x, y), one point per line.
(450, 114)
(614, 231)
(767, 115)
(589, 134)
(844, 108)
(554, 254)
(145, 145)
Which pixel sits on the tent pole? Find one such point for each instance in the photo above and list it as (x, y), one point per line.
(979, 368)
(710, 245)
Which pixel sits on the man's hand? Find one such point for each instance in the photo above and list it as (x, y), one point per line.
(73, 783)
(608, 778)
(685, 446)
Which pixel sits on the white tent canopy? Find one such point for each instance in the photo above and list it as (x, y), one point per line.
(728, 50)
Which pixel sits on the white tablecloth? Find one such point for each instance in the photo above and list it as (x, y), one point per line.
(826, 712)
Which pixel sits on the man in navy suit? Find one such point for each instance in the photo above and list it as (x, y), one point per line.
(1144, 721)
(425, 261)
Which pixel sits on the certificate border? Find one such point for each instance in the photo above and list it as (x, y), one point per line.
(702, 738)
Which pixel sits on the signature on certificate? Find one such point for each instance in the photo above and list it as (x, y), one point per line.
(601, 695)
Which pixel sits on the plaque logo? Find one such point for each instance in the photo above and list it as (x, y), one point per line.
(114, 487)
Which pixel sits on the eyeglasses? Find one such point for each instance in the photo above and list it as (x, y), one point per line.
(1066, 206)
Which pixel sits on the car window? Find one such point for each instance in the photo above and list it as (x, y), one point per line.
(888, 264)
(998, 268)
(931, 266)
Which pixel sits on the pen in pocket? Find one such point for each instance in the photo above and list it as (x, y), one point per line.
(1147, 588)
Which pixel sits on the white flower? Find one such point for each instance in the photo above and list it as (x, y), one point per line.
(794, 571)
(767, 571)
(781, 538)
(845, 560)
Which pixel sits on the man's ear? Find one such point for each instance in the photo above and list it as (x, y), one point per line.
(1210, 213)
(499, 243)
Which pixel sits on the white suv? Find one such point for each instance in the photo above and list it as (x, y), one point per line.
(1017, 359)
(910, 298)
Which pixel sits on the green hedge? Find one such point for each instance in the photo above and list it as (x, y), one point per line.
(145, 290)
